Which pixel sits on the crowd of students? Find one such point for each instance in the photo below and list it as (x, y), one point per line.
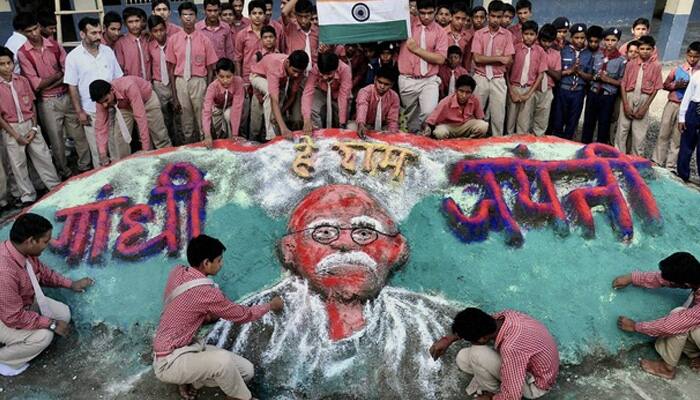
(463, 73)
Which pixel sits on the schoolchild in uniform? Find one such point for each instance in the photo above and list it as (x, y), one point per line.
(451, 71)
(545, 93)
(223, 103)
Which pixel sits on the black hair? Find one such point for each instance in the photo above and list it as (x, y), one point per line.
(695, 46)
(523, 4)
(459, 7)
(202, 248)
(85, 21)
(443, 5)
(303, 6)
(226, 6)
(99, 89)
(496, 6)
(466, 80)
(270, 2)
(314, 10)
(425, 4)
(454, 50)
(327, 62)
(46, 19)
(211, 3)
(594, 31)
(156, 3)
(641, 21)
(131, 12)
(681, 268)
(634, 43)
(299, 59)
(5, 52)
(547, 33)
(477, 9)
(508, 7)
(155, 20)
(472, 324)
(112, 17)
(224, 64)
(268, 29)
(23, 21)
(648, 39)
(142, 14)
(256, 4)
(390, 73)
(531, 26)
(27, 226)
(188, 5)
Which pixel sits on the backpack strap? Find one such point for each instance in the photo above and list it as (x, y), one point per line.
(187, 286)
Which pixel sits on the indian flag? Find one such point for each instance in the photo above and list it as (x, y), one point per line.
(353, 21)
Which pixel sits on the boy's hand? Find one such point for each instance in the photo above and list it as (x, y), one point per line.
(411, 45)
(21, 140)
(308, 126)
(81, 285)
(625, 324)
(208, 142)
(681, 84)
(361, 131)
(62, 328)
(506, 60)
(427, 131)
(104, 160)
(439, 347)
(681, 126)
(622, 281)
(276, 304)
(83, 118)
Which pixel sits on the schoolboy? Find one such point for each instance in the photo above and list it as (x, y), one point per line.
(223, 103)
(191, 58)
(669, 141)
(523, 9)
(267, 77)
(191, 299)
(492, 51)
(608, 69)
(218, 32)
(525, 77)
(443, 16)
(545, 92)
(232, 14)
(562, 25)
(458, 115)
(119, 103)
(386, 54)
(47, 25)
(640, 27)
(632, 54)
(689, 125)
(21, 135)
(459, 35)
(300, 34)
(508, 15)
(42, 62)
(679, 332)
(576, 63)
(641, 82)
(378, 104)
(326, 94)
(419, 60)
(451, 71)
(523, 362)
(131, 49)
(268, 41)
(112, 29)
(478, 18)
(157, 47)
(162, 9)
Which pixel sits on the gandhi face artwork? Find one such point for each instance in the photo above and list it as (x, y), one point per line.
(343, 242)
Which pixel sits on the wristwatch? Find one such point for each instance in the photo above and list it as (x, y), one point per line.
(35, 129)
(53, 325)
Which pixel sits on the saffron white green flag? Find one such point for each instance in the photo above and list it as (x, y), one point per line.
(362, 21)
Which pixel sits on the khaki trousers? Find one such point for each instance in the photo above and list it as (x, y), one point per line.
(190, 94)
(22, 345)
(157, 131)
(484, 363)
(172, 124)
(318, 110)
(471, 129)
(55, 115)
(614, 119)
(209, 366)
(673, 347)
(419, 97)
(542, 108)
(221, 123)
(263, 111)
(92, 142)
(669, 141)
(492, 96)
(638, 127)
(520, 114)
(40, 156)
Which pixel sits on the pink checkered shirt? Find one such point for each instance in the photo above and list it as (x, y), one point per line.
(182, 318)
(675, 323)
(16, 291)
(525, 346)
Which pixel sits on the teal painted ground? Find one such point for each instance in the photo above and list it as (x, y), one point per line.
(565, 282)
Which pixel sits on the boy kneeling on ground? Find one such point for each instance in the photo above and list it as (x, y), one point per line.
(191, 299)
(458, 115)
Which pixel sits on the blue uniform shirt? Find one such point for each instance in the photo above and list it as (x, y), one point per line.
(569, 55)
(615, 69)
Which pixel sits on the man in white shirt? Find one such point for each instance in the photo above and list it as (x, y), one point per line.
(16, 41)
(87, 63)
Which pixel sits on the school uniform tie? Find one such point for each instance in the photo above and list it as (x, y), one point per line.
(638, 84)
(545, 82)
(451, 86)
(489, 51)
(164, 77)
(225, 100)
(121, 124)
(526, 68)
(423, 45)
(141, 59)
(15, 98)
(378, 116)
(329, 105)
(188, 58)
(307, 49)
